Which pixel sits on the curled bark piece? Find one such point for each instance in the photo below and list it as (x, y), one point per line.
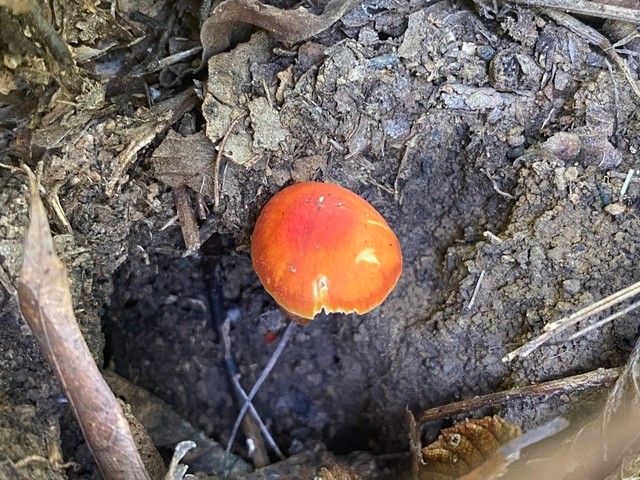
(287, 26)
(45, 301)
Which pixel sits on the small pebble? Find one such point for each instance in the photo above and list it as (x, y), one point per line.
(564, 145)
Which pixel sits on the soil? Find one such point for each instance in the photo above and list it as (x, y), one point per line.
(496, 149)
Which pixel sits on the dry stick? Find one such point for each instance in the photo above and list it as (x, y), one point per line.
(226, 338)
(597, 307)
(47, 306)
(415, 444)
(267, 370)
(559, 326)
(255, 442)
(595, 379)
(188, 221)
(57, 46)
(263, 428)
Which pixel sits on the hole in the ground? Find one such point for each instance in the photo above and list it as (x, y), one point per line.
(336, 380)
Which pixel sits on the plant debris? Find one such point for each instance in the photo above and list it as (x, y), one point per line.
(45, 300)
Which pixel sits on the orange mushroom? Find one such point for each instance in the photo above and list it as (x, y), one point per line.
(318, 246)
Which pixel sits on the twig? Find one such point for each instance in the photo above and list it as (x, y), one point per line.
(595, 379)
(401, 171)
(158, 65)
(242, 394)
(267, 370)
(616, 102)
(218, 161)
(492, 237)
(263, 428)
(53, 200)
(57, 46)
(45, 300)
(497, 188)
(255, 443)
(415, 445)
(188, 222)
(559, 326)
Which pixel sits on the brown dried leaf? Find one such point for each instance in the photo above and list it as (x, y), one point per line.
(45, 301)
(186, 161)
(464, 446)
(337, 472)
(288, 26)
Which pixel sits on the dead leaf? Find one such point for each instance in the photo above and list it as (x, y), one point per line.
(287, 26)
(464, 446)
(186, 161)
(45, 301)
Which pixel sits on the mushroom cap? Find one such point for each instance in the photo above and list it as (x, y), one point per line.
(318, 246)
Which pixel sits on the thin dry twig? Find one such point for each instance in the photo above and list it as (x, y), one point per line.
(627, 182)
(188, 222)
(554, 328)
(594, 379)
(232, 368)
(263, 376)
(47, 33)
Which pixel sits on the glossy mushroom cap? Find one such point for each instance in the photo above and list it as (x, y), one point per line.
(319, 246)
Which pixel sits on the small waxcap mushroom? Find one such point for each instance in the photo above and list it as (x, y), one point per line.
(318, 246)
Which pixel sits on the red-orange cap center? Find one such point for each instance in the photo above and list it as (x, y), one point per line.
(320, 246)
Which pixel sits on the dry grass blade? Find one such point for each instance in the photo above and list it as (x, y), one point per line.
(45, 300)
(559, 326)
